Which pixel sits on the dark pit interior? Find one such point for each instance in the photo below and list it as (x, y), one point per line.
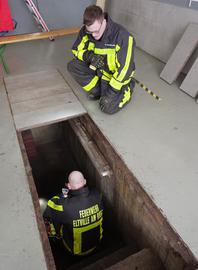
(53, 152)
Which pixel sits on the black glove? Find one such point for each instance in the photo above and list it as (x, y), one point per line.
(87, 56)
(98, 61)
(95, 61)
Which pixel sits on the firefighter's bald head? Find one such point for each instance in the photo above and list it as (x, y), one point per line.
(76, 180)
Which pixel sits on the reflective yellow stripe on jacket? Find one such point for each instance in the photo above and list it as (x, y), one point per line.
(80, 49)
(77, 232)
(117, 79)
(53, 205)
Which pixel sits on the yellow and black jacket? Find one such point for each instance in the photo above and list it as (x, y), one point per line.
(77, 219)
(118, 47)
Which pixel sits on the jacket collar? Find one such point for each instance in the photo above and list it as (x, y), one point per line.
(108, 29)
(81, 191)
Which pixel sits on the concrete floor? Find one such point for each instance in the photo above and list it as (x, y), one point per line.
(157, 141)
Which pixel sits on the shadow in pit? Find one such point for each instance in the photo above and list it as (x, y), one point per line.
(51, 164)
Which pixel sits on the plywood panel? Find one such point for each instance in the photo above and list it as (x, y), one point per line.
(181, 54)
(20, 95)
(29, 81)
(47, 116)
(46, 102)
(41, 98)
(190, 83)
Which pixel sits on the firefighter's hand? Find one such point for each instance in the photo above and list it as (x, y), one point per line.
(97, 61)
(88, 56)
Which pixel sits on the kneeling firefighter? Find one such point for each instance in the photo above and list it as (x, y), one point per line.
(104, 60)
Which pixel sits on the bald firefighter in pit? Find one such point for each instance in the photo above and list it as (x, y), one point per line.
(103, 61)
(76, 216)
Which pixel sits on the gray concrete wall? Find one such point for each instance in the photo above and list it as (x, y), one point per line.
(157, 26)
(57, 14)
(181, 3)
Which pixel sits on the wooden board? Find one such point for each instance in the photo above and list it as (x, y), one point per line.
(41, 98)
(36, 36)
(190, 83)
(27, 86)
(181, 54)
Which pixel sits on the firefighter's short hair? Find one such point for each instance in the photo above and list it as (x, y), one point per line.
(91, 14)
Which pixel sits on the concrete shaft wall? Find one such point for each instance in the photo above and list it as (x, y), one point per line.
(156, 26)
(136, 214)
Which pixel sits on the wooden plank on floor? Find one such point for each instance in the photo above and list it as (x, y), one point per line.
(34, 105)
(41, 98)
(181, 54)
(48, 116)
(35, 85)
(20, 95)
(29, 81)
(190, 83)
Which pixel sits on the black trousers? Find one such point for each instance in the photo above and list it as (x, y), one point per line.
(114, 100)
